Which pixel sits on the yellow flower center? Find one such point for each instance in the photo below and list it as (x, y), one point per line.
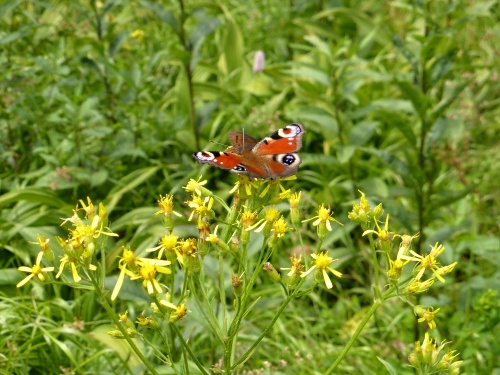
(36, 270)
(323, 261)
(148, 271)
(169, 241)
(129, 257)
(323, 213)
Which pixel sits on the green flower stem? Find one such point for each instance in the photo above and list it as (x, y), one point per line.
(222, 292)
(240, 311)
(242, 264)
(112, 315)
(264, 333)
(302, 247)
(361, 325)
(189, 73)
(353, 338)
(187, 348)
(206, 309)
(375, 266)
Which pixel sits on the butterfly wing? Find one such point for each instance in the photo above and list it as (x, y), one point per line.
(282, 141)
(240, 141)
(223, 159)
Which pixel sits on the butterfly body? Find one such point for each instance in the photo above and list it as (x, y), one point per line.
(273, 157)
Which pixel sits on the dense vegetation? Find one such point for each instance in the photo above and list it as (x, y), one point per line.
(400, 101)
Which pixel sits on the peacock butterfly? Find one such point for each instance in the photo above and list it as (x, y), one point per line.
(270, 158)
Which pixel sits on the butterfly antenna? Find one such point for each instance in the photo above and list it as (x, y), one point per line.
(218, 143)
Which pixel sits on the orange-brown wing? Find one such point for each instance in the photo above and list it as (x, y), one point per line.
(240, 141)
(283, 141)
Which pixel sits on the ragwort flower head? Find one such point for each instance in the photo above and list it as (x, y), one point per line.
(321, 264)
(266, 224)
(430, 262)
(322, 221)
(167, 245)
(129, 266)
(148, 269)
(36, 271)
(196, 186)
(244, 186)
(166, 205)
(426, 315)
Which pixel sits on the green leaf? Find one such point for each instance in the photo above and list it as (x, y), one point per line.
(232, 48)
(37, 195)
(362, 132)
(117, 43)
(126, 184)
(388, 366)
(415, 95)
(163, 14)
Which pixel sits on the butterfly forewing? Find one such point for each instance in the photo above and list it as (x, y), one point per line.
(240, 141)
(282, 141)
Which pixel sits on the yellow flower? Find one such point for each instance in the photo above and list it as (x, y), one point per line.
(322, 263)
(244, 185)
(123, 318)
(168, 245)
(188, 255)
(148, 268)
(127, 265)
(248, 218)
(430, 262)
(179, 313)
(166, 301)
(138, 34)
(201, 207)
(279, 229)
(166, 206)
(385, 237)
(216, 241)
(294, 208)
(296, 267)
(406, 240)
(43, 243)
(448, 364)
(416, 286)
(271, 215)
(66, 259)
(89, 209)
(322, 220)
(36, 270)
(146, 322)
(425, 358)
(196, 186)
(271, 184)
(426, 315)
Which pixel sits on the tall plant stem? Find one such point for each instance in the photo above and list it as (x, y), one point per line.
(189, 75)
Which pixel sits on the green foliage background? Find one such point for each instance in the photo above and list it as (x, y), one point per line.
(399, 100)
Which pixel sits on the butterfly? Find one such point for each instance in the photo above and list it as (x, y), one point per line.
(270, 158)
